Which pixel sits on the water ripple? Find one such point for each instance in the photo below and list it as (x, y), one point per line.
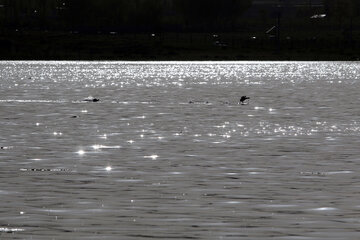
(168, 152)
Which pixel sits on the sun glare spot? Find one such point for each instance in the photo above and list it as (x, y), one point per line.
(96, 147)
(81, 152)
(152, 157)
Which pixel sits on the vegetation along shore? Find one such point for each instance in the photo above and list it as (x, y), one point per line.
(180, 30)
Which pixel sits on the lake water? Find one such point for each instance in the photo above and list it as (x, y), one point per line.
(145, 163)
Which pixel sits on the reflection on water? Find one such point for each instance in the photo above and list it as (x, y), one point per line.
(169, 153)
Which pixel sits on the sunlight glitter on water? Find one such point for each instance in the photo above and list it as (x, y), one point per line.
(11, 230)
(81, 152)
(153, 157)
(324, 209)
(99, 147)
(214, 167)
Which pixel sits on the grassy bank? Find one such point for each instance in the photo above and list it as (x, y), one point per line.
(174, 46)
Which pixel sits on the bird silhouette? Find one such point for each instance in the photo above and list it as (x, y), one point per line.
(243, 99)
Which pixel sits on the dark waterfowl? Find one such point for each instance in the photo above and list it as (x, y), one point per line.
(243, 99)
(91, 99)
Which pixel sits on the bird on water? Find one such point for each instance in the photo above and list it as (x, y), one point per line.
(243, 99)
(91, 99)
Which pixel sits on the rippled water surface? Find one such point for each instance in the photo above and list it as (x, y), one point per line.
(168, 153)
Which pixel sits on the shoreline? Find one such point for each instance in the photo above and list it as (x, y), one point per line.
(62, 61)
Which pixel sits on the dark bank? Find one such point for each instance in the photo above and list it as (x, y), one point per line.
(180, 30)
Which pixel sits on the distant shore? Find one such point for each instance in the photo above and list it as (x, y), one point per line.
(171, 46)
